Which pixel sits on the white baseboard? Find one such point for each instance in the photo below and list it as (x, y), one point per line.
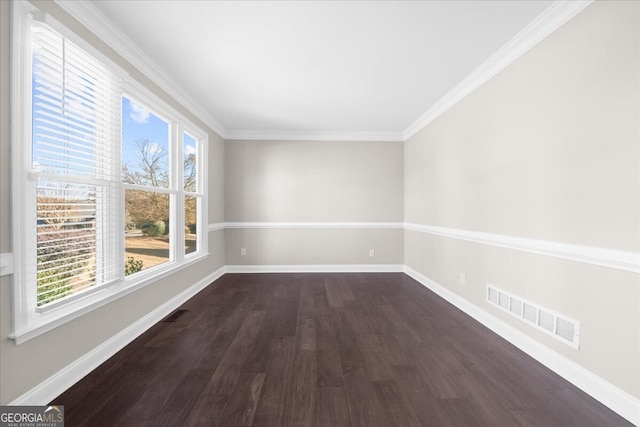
(56, 384)
(339, 268)
(609, 395)
(616, 399)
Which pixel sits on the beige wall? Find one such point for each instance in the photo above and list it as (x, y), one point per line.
(314, 246)
(27, 365)
(547, 149)
(314, 181)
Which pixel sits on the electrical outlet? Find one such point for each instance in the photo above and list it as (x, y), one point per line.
(243, 252)
(372, 253)
(462, 279)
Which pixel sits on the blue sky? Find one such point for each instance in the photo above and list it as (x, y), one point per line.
(139, 123)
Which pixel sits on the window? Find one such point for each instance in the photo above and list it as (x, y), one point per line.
(74, 166)
(109, 192)
(152, 190)
(147, 187)
(192, 192)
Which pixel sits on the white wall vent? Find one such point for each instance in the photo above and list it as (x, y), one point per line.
(493, 296)
(559, 326)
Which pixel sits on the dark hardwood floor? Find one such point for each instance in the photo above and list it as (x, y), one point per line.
(326, 350)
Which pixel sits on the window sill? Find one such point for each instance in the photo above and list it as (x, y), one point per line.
(75, 308)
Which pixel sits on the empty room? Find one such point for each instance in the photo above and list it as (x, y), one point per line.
(320, 213)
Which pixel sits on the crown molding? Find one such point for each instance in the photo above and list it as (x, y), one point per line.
(313, 136)
(88, 15)
(316, 268)
(546, 23)
(551, 19)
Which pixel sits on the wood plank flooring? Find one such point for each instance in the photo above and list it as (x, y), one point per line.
(326, 350)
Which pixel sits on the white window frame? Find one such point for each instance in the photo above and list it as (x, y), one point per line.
(28, 320)
(177, 126)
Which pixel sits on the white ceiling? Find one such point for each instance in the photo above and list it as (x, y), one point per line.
(263, 68)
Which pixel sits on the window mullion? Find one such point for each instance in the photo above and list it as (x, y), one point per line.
(178, 179)
(203, 212)
(128, 186)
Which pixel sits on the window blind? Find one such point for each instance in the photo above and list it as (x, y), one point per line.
(75, 169)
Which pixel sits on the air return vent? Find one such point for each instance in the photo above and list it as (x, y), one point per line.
(561, 327)
(493, 296)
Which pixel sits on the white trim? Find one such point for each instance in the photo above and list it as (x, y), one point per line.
(302, 225)
(203, 219)
(53, 23)
(552, 18)
(216, 227)
(83, 304)
(56, 384)
(6, 264)
(611, 396)
(546, 23)
(312, 136)
(612, 258)
(339, 268)
(29, 322)
(397, 225)
(89, 16)
(616, 399)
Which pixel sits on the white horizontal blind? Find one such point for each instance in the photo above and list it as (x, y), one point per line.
(76, 125)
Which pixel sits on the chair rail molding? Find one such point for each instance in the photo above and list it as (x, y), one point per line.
(605, 257)
(612, 258)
